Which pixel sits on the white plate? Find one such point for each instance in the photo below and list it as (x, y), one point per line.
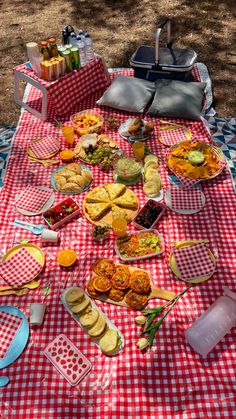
(186, 212)
(46, 206)
(101, 313)
(132, 138)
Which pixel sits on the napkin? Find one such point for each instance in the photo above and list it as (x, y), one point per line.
(172, 136)
(44, 148)
(193, 261)
(182, 199)
(21, 268)
(33, 199)
(9, 325)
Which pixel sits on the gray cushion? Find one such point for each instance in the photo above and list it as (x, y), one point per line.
(178, 99)
(128, 94)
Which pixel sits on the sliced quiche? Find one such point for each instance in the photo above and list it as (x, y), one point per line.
(97, 210)
(98, 194)
(114, 190)
(127, 200)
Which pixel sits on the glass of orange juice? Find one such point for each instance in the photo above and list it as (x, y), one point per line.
(138, 150)
(119, 226)
(68, 134)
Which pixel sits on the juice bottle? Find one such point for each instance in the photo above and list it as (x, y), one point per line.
(119, 226)
(138, 150)
(53, 50)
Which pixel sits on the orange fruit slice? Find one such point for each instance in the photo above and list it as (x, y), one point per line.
(67, 155)
(66, 257)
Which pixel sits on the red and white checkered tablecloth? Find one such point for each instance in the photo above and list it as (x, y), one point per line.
(193, 261)
(73, 87)
(22, 267)
(33, 199)
(44, 148)
(172, 136)
(182, 199)
(171, 381)
(9, 325)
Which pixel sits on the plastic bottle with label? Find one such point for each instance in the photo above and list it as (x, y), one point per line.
(89, 47)
(72, 39)
(82, 51)
(214, 324)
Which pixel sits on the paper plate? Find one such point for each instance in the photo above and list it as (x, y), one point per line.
(46, 206)
(186, 212)
(31, 153)
(20, 340)
(34, 250)
(175, 269)
(70, 193)
(132, 138)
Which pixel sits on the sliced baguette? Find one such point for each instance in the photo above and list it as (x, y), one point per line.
(98, 329)
(109, 341)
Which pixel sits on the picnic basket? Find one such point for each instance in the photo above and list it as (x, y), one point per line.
(152, 63)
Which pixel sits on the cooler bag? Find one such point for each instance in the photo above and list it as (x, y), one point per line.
(152, 63)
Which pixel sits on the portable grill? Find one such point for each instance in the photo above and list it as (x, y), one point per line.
(152, 63)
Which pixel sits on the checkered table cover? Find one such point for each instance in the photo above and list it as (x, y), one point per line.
(172, 136)
(9, 325)
(22, 267)
(182, 199)
(193, 261)
(171, 380)
(73, 87)
(33, 199)
(44, 148)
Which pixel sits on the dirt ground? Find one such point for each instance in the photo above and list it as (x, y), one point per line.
(118, 27)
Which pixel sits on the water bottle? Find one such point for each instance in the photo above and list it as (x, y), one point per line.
(82, 53)
(81, 34)
(66, 34)
(72, 39)
(89, 47)
(214, 324)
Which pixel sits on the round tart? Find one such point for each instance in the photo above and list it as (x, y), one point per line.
(124, 270)
(116, 295)
(140, 282)
(90, 288)
(136, 301)
(104, 267)
(120, 281)
(102, 283)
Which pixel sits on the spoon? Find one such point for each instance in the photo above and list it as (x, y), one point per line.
(34, 229)
(4, 380)
(20, 292)
(31, 285)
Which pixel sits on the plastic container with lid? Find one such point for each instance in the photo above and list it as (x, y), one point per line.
(127, 168)
(214, 324)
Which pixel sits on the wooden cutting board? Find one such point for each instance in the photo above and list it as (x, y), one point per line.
(155, 292)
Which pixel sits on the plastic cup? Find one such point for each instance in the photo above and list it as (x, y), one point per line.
(119, 226)
(49, 236)
(68, 134)
(37, 312)
(138, 150)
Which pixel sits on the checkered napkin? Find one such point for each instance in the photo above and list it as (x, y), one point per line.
(44, 148)
(33, 199)
(9, 325)
(193, 261)
(172, 136)
(182, 199)
(21, 268)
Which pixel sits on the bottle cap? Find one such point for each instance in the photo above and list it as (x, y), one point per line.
(43, 43)
(229, 293)
(52, 40)
(87, 35)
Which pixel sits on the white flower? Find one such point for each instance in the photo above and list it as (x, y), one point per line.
(142, 343)
(140, 319)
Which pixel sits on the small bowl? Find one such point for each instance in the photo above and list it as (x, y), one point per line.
(67, 156)
(162, 209)
(124, 172)
(87, 129)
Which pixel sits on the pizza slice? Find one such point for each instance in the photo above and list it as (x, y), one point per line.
(114, 190)
(127, 200)
(97, 210)
(97, 194)
(118, 212)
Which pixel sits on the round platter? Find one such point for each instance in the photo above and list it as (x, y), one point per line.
(184, 212)
(175, 269)
(107, 219)
(102, 141)
(38, 140)
(216, 151)
(70, 193)
(46, 206)
(132, 138)
(20, 340)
